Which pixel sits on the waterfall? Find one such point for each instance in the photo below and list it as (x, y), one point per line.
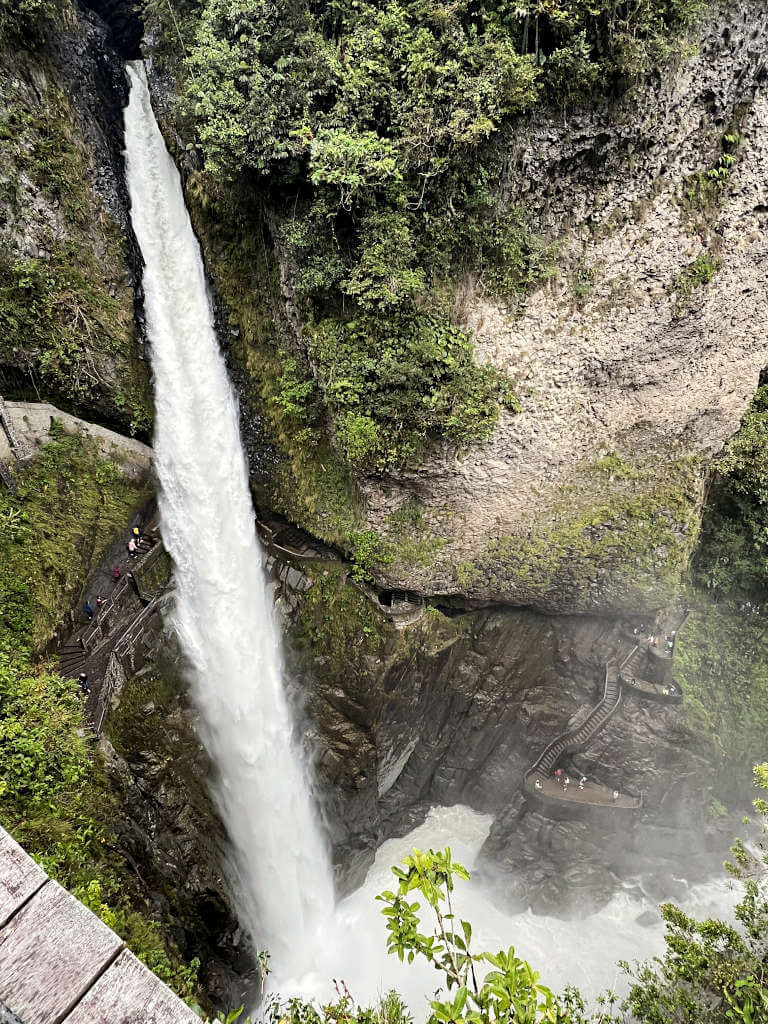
(222, 610)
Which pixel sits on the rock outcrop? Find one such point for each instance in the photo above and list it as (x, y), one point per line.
(169, 829)
(33, 422)
(589, 498)
(69, 264)
(454, 709)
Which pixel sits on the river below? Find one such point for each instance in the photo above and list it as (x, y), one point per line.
(582, 952)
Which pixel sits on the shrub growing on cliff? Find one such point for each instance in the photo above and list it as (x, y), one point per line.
(391, 386)
(23, 20)
(380, 134)
(732, 559)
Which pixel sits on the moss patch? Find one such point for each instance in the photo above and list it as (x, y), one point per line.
(721, 660)
(345, 638)
(696, 275)
(54, 531)
(306, 482)
(337, 619)
(625, 542)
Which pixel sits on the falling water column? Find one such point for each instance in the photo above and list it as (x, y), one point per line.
(222, 610)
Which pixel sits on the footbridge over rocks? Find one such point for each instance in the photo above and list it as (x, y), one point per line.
(60, 964)
(639, 670)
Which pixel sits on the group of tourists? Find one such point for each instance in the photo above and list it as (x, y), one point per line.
(133, 543)
(88, 608)
(565, 780)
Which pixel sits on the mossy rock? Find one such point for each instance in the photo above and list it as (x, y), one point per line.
(619, 539)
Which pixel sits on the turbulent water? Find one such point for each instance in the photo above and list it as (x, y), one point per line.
(581, 952)
(222, 612)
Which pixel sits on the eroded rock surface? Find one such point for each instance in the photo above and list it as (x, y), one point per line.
(631, 385)
(454, 709)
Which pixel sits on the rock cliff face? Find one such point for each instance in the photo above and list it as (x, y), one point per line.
(630, 376)
(69, 264)
(634, 366)
(586, 504)
(169, 830)
(455, 708)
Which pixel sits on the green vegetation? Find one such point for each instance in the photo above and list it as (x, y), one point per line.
(340, 621)
(66, 317)
(390, 386)
(704, 190)
(721, 660)
(24, 20)
(732, 559)
(712, 972)
(410, 540)
(616, 467)
(57, 802)
(69, 506)
(696, 275)
(380, 133)
(308, 483)
(639, 523)
(55, 797)
(582, 281)
(509, 992)
(723, 651)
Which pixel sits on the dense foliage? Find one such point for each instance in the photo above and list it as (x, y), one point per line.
(723, 652)
(391, 383)
(24, 19)
(55, 797)
(381, 134)
(66, 309)
(713, 972)
(57, 802)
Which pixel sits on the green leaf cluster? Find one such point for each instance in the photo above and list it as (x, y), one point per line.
(712, 972)
(380, 134)
(509, 993)
(393, 385)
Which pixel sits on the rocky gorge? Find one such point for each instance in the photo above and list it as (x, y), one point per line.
(634, 363)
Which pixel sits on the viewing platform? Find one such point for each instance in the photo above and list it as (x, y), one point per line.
(644, 658)
(60, 964)
(593, 794)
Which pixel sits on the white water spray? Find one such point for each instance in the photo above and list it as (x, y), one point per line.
(223, 612)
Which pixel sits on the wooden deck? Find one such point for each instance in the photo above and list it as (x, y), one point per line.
(59, 964)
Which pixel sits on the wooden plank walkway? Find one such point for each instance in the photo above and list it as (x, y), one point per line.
(20, 877)
(60, 964)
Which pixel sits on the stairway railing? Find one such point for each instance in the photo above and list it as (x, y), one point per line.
(571, 740)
